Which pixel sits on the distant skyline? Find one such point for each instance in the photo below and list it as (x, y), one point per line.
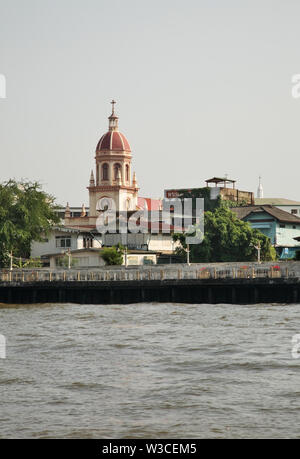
(203, 89)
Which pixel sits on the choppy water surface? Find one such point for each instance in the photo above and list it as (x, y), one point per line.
(149, 371)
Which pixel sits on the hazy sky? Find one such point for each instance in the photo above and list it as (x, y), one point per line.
(203, 89)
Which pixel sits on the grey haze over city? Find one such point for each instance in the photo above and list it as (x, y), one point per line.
(203, 88)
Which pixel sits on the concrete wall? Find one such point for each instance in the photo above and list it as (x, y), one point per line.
(94, 260)
(82, 260)
(135, 259)
(161, 242)
(175, 283)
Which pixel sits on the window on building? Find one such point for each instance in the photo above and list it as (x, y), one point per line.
(63, 241)
(282, 226)
(127, 173)
(105, 172)
(87, 242)
(117, 168)
(294, 211)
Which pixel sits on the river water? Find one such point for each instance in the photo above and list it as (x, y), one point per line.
(149, 371)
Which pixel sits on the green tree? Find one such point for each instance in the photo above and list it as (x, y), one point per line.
(227, 239)
(113, 255)
(26, 214)
(232, 204)
(204, 193)
(27, 263)
(63, 262)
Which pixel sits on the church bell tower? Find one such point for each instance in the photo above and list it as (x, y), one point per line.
(113, 176)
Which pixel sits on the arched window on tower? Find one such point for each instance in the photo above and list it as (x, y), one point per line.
(105, 172)
(127, 173)
(117, 168)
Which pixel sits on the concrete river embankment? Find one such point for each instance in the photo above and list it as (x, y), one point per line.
(238, 283)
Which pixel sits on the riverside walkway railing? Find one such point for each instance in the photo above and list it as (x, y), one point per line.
(155, 273)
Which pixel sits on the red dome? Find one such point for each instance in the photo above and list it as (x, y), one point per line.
(113, 140)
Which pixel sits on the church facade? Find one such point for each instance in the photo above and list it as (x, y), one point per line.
(112, 180)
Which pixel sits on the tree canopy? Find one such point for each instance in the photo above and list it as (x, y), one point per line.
(27, 213)
(227, 239)
(113, 255)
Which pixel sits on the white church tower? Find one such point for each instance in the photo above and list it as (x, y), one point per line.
(113, 177)
(260, 190)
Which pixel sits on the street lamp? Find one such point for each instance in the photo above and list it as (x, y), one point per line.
(11, 261)
(188, 254)
(258, 248)
(69, 258)
(69, 255)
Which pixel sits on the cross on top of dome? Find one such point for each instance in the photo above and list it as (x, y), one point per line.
(113, 102)
(113, 119)
(113, 140)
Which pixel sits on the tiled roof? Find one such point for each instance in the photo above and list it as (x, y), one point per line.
(114, 141)
(278, 214)
(149, 203)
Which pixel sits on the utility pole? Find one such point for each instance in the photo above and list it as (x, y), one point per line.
(258, 252)
(126, 248)
(11, 261)
(258, 248)
(188, 254)
(69, 258)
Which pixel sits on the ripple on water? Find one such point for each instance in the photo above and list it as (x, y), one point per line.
(149, 370)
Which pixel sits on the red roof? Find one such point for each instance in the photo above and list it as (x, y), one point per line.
(113, 140)
(150, 204)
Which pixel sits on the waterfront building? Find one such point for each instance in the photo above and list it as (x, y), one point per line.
(91, 258)
(111, 179)
(281, 227)
(85, 249)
